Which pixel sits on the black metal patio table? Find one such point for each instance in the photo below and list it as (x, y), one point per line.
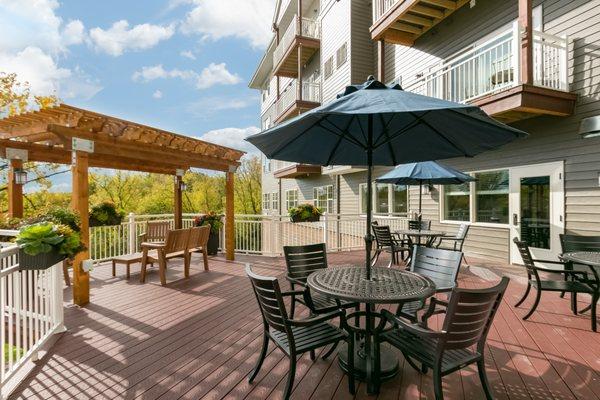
(424, 237)
(386, 286)
(589, 258)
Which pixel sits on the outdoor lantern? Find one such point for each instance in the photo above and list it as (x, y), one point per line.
(20, 176)
(183, 187)
(590, 127)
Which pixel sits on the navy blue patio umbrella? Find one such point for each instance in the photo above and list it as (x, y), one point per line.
(373, 124)
(425, 172)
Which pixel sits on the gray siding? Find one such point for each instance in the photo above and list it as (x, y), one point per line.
(361, 45)
(334, 32)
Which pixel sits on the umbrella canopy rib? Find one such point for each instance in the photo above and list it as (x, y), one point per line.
(451, 143)
(339, 140)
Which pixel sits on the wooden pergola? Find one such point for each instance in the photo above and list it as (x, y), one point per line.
(69, 135)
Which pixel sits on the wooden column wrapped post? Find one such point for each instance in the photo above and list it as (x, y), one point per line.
(526, 23)
(177, 202)
(229, 219)
(15, 191)
(381, 60)
(80, 203)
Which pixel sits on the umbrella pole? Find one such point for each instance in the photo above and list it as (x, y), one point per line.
(368, 236)
(420, 199)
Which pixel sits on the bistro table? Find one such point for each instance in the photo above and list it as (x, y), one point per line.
(387, 286)
(424, 237)
(589, 258)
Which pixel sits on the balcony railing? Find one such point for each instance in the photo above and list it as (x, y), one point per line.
(311, 91)
(309, 28)
(380, 7)
(495, 66)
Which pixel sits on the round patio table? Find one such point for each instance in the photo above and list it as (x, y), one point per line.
(387, 286)
(422, 236)
(589, 258)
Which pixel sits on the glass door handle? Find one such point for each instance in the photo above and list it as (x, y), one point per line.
(515, 220)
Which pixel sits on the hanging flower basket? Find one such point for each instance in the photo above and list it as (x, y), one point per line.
(305, 213)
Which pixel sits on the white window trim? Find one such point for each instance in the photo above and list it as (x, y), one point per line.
(266, 196)
(325, 187)
(275, 201)
(287, 202)
(390, 201)
(472, 194)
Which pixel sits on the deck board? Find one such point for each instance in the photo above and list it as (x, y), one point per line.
(199, 338)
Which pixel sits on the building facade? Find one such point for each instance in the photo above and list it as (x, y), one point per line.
(532, 64)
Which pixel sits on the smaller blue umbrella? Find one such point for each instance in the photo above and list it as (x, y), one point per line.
(428, 172)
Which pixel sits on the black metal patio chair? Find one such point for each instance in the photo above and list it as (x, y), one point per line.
(416, 224)
(461, 341)
(294, 336)
(442, 267)
(580, 283)
(573, 243)
(455, 242)
(387, 242)
(301, 261)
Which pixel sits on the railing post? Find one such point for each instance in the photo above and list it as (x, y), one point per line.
(59, 317)
(325, 232)
(132, 234)
(516, 53)
(564, 66)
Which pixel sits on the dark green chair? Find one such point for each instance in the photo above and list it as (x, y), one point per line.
(415, 224)
(455, 242)
(294, 336)
(579, 282)
(461, 341)
(387, 242)
(301, 261)
(573, 243)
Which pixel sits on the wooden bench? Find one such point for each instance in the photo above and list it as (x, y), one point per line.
(127, 259)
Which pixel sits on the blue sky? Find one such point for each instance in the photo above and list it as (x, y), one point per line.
(181, 65)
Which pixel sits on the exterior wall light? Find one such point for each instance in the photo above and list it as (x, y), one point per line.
(20, 176)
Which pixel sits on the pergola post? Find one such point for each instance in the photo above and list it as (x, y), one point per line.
(80, 203)
(15, 191)
(526, 22)
(229, 218)
(177, 203)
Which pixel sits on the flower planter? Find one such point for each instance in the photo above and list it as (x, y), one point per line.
(39, 261)
(212, 247)
(312, 218)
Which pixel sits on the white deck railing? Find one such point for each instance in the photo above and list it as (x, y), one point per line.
(311, 91)
(304, 27)
(380, 7)
(494, 66)
(254, 234)
(31, 311)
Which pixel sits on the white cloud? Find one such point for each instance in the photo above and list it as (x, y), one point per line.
(33, 40)
(73, 33)
(249, 20)
(209, 105)
(188, 54)
(157, 94)
(233, 137)
(120, 38)
(46, 77)
(214, 74)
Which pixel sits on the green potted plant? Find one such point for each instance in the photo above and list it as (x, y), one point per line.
(305, 213)
(216, 223)
(46, 243)
(104, 214)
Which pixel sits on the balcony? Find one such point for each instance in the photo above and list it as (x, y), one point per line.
(292, 103)
(403, 21)
(289, 170)
(488, 75)
(341, 169)
(302, 32)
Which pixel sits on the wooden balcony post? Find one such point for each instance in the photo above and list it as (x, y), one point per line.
(381, 60)
(229, 217)
(299, 81)
(177, 203)
(80, 203)
(526, 23)
(15, 191)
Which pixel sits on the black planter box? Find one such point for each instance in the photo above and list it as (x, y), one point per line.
(312, 218)
(38, 262)
(212, 247)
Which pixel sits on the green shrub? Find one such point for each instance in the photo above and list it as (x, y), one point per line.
(17, 352)
(104, 214)
(57, 215)
(305, 212)
(45, 237)
(212, 218)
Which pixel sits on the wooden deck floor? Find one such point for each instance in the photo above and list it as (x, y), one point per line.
(199, 338)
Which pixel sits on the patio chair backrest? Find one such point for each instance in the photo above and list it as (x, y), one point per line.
(177, 240)
(270, 300)
(157, 231)
(301, 261)
(383, 235)
(462, 231)
(423, 225)
(440, 265)
(523, 248)
(198, 236)
(469, 316)
(570, 243)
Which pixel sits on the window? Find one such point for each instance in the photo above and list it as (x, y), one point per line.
(266, 201)
(491, 197)
(275, 201)
(341, 55)
(456, 202)
(266, 165)
(328, 67)
(291, 198)
(387, 199)
(323, 198)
